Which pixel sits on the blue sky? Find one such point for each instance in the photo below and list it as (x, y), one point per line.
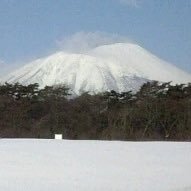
(33, 28)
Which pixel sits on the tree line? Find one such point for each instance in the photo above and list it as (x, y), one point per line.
(158, 111)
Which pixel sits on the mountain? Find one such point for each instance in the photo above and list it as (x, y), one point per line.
(119, 67)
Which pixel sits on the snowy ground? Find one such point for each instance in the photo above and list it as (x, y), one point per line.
(60, 165)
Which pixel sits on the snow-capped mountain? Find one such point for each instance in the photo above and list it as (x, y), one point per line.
(119, 67)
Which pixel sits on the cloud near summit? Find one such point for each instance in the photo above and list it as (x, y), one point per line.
(83, 41)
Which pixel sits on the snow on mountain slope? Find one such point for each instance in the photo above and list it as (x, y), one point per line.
(138, 61)
(57, 165)
(119, 67)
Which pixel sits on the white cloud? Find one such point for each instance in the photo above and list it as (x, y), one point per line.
(3, 67)
(84, 41)
(134, 3)
(7, 68)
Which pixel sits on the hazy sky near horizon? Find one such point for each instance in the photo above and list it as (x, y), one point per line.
(33, 28)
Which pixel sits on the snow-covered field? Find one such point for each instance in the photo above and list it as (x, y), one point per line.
(61, 165)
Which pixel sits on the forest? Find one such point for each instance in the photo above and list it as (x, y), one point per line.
(158, 111)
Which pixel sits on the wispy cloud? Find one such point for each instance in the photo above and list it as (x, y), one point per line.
(4, 68)
(133, 3)
(7, 68)
(83, 41)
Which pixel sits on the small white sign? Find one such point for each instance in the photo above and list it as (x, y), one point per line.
(58, 136)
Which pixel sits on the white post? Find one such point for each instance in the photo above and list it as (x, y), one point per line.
(58, 136)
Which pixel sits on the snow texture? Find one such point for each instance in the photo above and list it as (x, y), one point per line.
(120, 67)
(57, 165)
